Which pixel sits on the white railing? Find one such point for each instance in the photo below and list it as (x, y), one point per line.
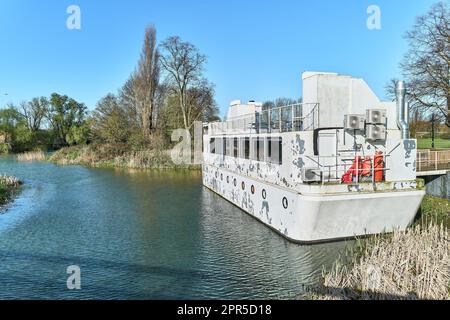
(283, 119)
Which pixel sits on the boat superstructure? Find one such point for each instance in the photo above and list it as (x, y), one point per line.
(338, 165)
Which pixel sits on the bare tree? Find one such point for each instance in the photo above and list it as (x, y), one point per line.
(128, 100)
(390, 89)
(426, 66)
(184, 66)
(280, 102)
(34, 112)
(146, 80)
(201, 103)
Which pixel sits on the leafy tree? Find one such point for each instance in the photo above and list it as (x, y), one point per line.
(34, 112)
(111, 122)
(65, 116)
(79, 134)
(10, 119)
(15, 131)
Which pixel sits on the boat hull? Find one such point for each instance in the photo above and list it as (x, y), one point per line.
(310, 218)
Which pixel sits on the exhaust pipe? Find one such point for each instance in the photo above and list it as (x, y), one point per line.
(402, 110)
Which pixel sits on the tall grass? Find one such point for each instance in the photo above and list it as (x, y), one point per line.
(31, 156)
(414, 264)
(117, 156)
(9, 181)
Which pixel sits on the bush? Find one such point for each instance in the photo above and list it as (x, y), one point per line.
(5, 148)
(8, 187)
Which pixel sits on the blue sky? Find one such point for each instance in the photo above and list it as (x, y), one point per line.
(255, 49)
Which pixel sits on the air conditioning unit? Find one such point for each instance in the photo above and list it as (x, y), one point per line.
(376, 116)
(311, 175)
(354, 122)
(375, 132)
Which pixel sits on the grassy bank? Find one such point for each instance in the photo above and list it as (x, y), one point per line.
(414, 264)
(8, 188)
(117, 156)
(440, 143)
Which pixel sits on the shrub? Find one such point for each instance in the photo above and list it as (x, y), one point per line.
(5, 148)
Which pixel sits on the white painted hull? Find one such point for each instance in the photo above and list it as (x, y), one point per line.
(313, 217)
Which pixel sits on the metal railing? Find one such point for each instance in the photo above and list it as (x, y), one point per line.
(333, 173)
(433, 160)
(276, 120)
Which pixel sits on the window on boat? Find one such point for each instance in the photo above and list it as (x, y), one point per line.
(275, 150)
(229, 147)
(235, 148)
(220, 146)
(258, 149)
(254, 149)
(245, 148)
(212, 145)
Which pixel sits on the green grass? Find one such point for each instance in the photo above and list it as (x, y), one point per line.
(434, 210)
(439, 143)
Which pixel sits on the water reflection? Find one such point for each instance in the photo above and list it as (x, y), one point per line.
(142, 235)
(262, 263)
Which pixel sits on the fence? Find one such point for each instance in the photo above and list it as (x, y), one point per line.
(431, 160)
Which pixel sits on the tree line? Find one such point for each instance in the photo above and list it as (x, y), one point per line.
(426, 66)
(166, 91)
(43, 123)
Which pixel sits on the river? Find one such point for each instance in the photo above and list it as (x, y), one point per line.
(142, 235)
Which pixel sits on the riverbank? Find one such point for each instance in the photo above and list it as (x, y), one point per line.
(117, 156)
(414, 264)
(8, 188)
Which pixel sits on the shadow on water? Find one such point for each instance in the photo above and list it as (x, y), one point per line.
(142, 235)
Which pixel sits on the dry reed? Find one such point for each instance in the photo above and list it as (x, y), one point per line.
(31, 156)
(414, 264)
(9, 181)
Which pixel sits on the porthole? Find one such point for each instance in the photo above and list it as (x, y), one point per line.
(285, 203)
(235, 182)
(264, 194)
(243, 185)
(221, 176)
(252, 189)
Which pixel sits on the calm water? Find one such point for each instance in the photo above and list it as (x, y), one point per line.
(141, 236)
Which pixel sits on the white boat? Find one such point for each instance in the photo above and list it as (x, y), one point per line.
(339, 165)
